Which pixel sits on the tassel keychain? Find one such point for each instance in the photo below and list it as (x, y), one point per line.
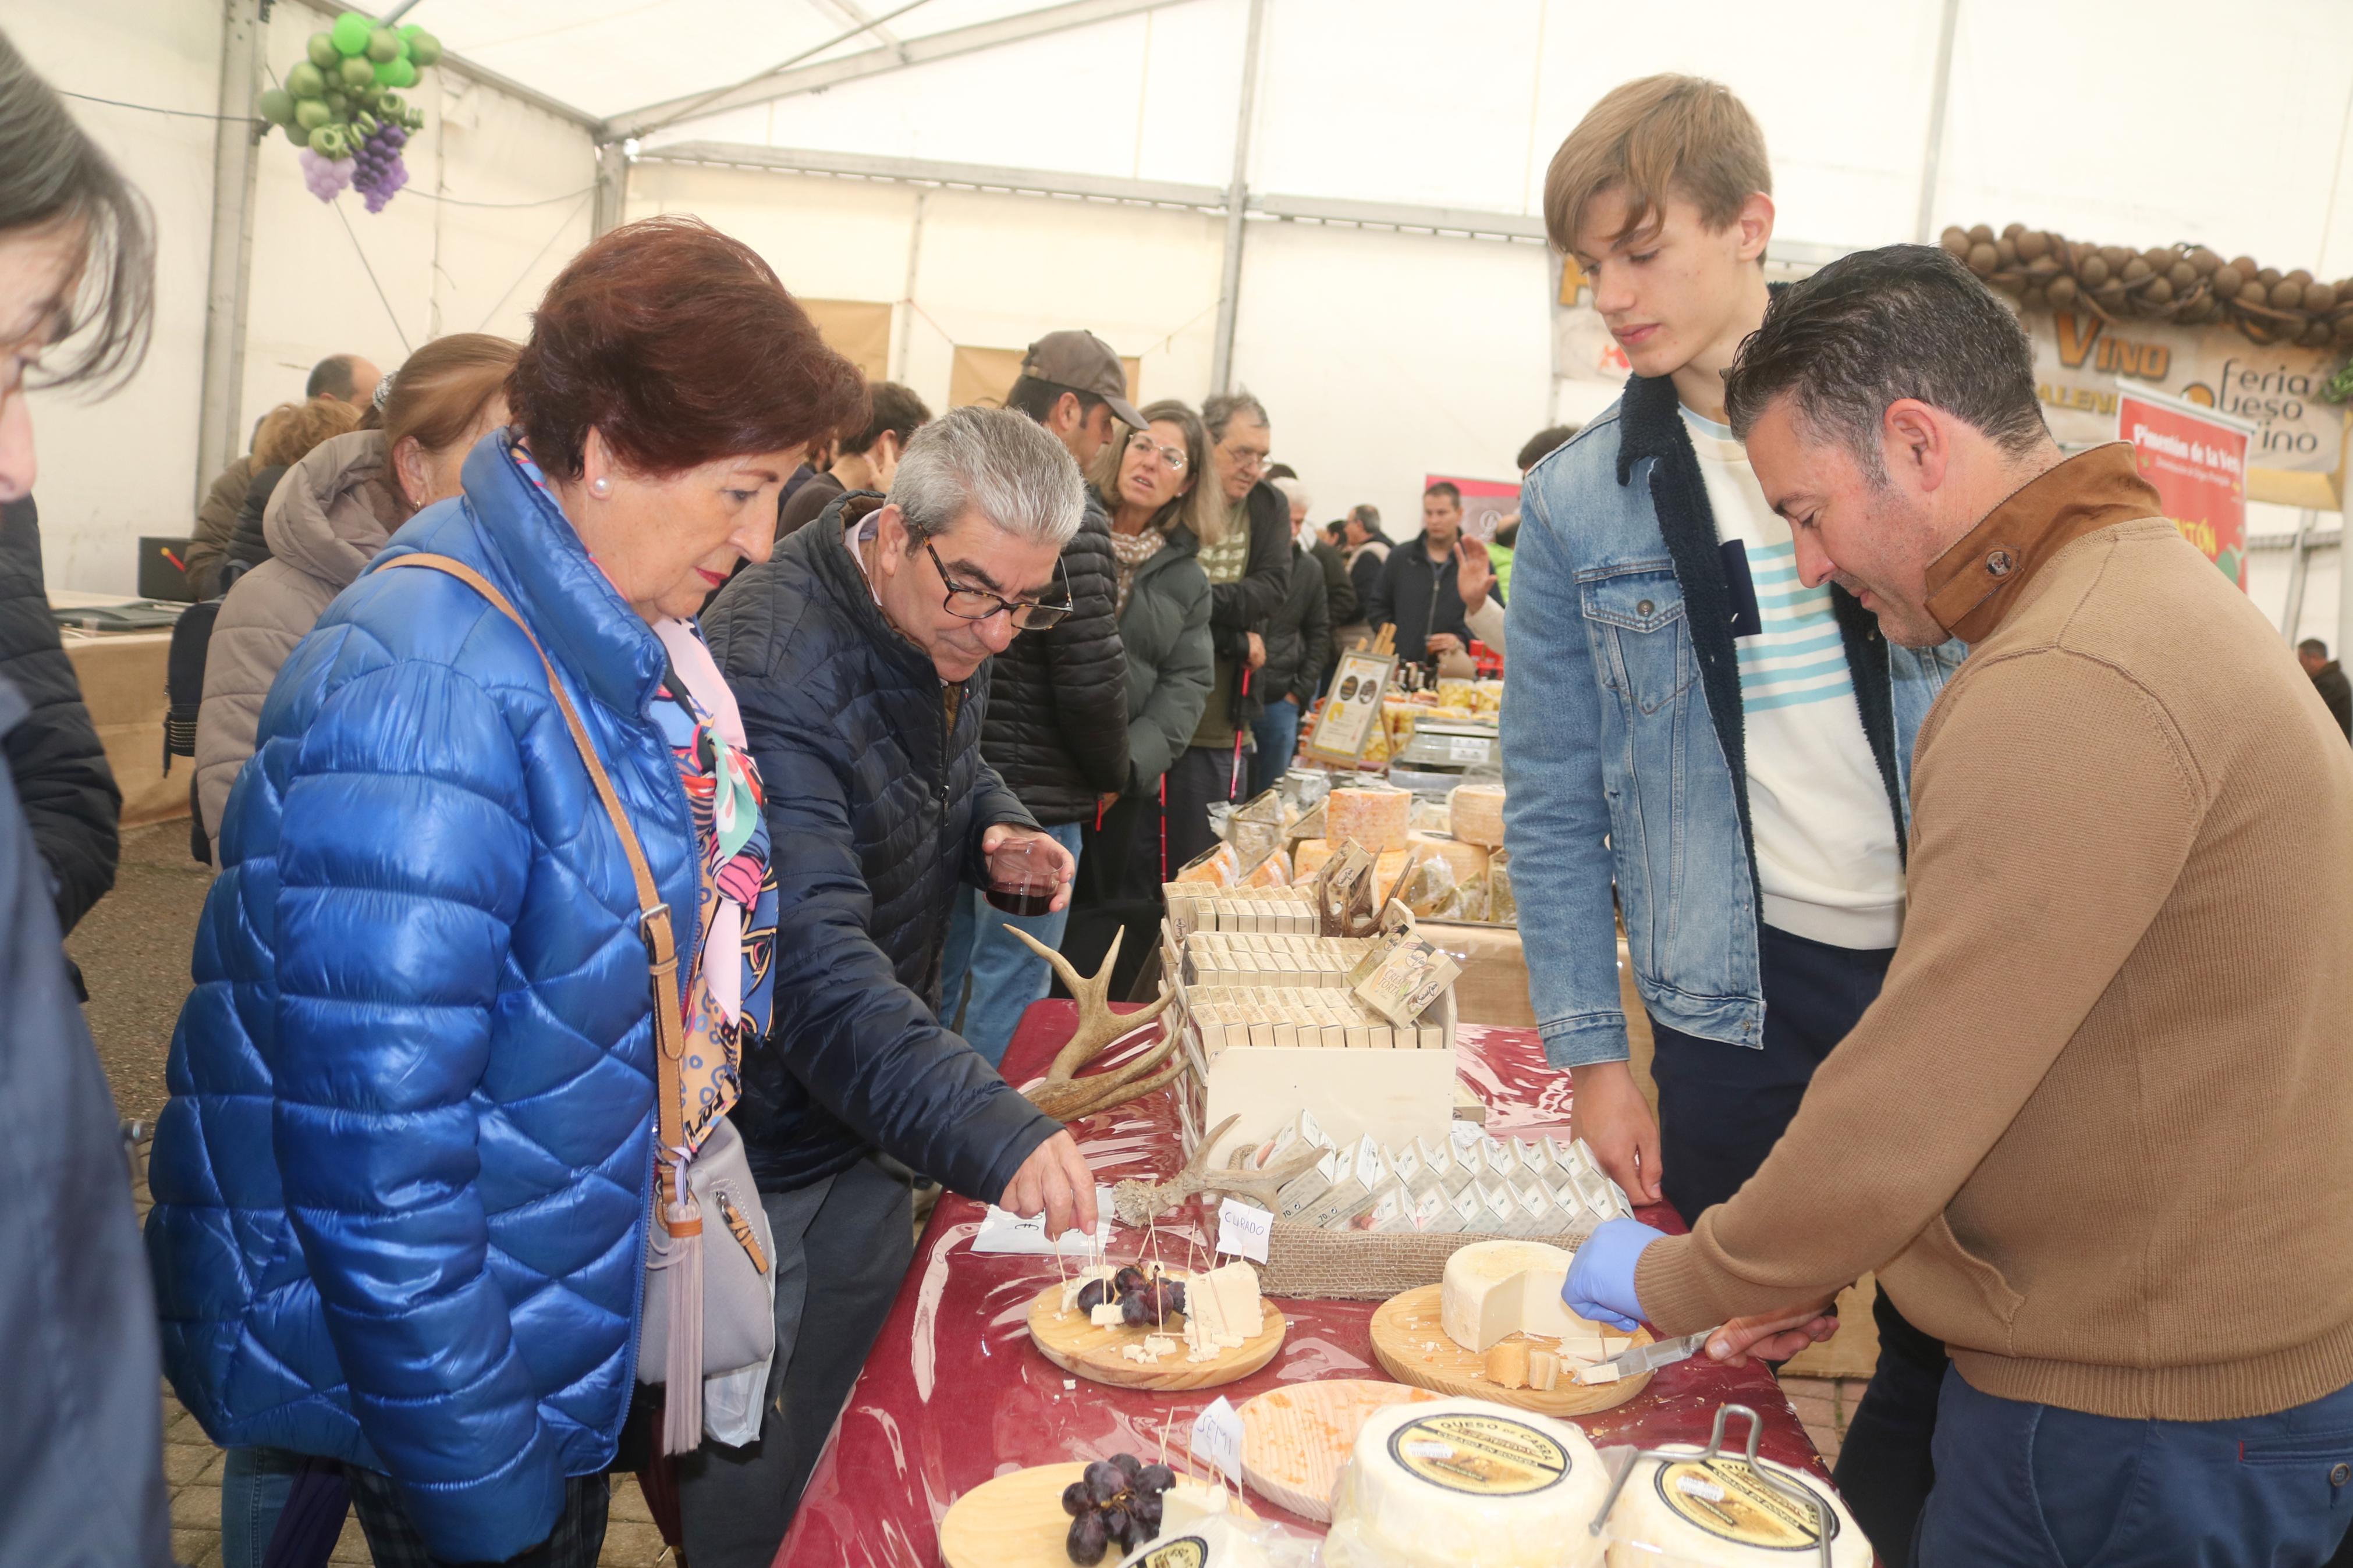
(682, 1359)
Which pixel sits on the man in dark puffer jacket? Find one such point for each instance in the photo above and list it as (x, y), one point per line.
(858, 658)
(69, 795)
(1057, 722)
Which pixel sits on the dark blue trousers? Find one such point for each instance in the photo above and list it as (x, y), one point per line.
(1721, 1109)
(2034, 1486)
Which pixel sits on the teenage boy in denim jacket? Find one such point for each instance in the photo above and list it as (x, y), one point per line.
(1689, 724)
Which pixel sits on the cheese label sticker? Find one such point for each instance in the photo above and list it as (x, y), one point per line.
(1484, 1455)
(1185, 1551)
(1732, 1502)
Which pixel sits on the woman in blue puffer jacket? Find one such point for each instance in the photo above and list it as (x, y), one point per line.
(402, 1188)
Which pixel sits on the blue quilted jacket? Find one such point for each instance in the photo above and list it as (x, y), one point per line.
(401, 1186)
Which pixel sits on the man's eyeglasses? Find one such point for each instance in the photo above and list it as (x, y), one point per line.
(978, 604)
(1245, 459)
(1170, 457)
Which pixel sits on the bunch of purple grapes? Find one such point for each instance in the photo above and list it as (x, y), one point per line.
(1116, 1501)
(380, 173)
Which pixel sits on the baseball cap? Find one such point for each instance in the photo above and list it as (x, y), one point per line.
(1083, 363)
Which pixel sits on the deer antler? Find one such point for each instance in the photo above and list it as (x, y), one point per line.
(1139, 1203)
(1064, 1094)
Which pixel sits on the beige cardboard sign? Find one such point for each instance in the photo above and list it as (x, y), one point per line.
(2080, 363)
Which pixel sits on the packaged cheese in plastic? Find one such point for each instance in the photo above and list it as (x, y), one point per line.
(1429, 886)
(1466, 1483)
(1216, 867)
(1687, 1512)
(1503, 908)
(1274, 871)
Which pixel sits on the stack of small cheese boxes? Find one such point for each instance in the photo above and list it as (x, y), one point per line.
(1466, 1183)
(1196, 906)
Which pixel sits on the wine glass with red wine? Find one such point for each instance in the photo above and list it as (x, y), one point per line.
(1024, 875)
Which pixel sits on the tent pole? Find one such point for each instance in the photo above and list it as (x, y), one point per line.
(2344, 578)
(2298, 572)
(1932, 160)
(1221, 365)
(612, 189)
(236, 163)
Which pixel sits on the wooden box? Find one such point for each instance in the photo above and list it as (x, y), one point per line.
(1395, 1096)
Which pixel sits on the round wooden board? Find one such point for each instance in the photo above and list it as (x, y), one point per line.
(1017, 1520)
(1294, 1439)
(1413, 1348)
(1074, 1344)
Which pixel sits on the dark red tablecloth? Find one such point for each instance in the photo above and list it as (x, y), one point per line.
(954, 1394)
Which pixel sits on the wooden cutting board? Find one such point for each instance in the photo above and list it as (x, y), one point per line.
(1295, 1439)
(1017, 1521)
(1075, 1344)
(1412, 1347)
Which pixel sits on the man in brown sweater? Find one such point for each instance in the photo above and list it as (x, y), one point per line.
(2092, 1134)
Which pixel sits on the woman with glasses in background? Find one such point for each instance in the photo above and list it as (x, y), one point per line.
(1164, 506)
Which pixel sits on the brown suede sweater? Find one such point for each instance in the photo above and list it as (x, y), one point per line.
(2095, 1131)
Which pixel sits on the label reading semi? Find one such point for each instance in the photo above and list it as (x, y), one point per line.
(1185, 1551)
(1484, 1455)
(1732, 1502)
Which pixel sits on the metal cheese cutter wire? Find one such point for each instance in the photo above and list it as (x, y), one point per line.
(1814, 1507)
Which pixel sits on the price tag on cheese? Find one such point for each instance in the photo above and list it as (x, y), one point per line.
(1243, 1229)
(1217, 1437)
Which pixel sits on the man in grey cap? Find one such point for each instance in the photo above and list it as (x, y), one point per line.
(1056, 729)
(1072, 382)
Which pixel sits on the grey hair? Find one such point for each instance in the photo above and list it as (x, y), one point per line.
(1002, 464)
(1879, 326)
(1218, 411)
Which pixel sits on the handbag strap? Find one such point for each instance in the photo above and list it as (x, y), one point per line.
(653, 914)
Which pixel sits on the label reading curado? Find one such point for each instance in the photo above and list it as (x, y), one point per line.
(1483, 1456)
(1732, 1502)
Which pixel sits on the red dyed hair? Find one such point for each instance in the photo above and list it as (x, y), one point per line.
(678, 345)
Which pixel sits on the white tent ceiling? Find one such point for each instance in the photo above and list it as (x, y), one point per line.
(609, 58)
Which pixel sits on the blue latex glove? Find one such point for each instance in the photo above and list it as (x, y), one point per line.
(1600, 1283)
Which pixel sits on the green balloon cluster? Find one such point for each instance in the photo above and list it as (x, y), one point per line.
(348, 85)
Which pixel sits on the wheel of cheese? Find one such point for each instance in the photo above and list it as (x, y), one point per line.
(1474, 814)
(1376, 818)
(1718, 1511)
(1427, 1482)
(1493, 1289)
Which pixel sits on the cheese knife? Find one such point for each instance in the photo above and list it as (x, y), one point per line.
(1641, 1359)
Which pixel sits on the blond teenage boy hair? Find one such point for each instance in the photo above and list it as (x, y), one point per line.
(1663, 196)
(1696, 732)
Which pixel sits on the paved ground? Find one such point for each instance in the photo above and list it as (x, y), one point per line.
(134, 953)
(1825, 1405)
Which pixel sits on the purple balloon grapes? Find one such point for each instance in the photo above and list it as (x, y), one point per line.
(326, 177)
(380, 173)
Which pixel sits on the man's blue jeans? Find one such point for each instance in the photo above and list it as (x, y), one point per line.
(1006, 976)
(1277, 729)
(2033, 1484)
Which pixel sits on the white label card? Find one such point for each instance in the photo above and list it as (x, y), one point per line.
(1243, 1230)
(1217, 1437)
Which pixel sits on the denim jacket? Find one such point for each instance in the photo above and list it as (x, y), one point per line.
(1624, 756)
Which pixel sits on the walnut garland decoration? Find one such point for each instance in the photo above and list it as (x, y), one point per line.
(2187, 284)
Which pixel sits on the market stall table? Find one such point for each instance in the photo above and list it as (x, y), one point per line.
(953, 1392)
